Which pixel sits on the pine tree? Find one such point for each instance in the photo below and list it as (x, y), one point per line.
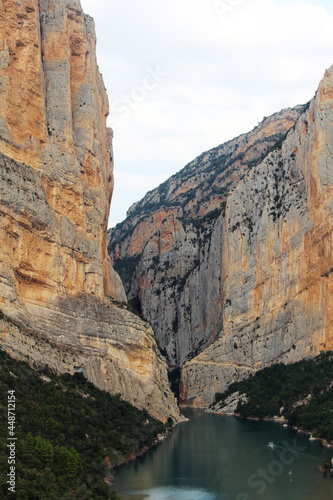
(28, 444)
(73, 463)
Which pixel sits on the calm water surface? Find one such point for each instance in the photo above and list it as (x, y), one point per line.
(213, 457)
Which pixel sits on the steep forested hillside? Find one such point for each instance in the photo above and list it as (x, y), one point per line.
(301, 392)
(68, 433)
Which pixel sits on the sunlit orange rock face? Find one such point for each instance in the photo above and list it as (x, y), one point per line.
(56, 182)
(53, 119)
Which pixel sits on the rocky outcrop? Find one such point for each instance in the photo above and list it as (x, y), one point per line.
(277, 265)
(56, 177)
(113, 348)
(229, 405)
(169, 250)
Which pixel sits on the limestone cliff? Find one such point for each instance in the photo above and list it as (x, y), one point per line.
(231, 259)
(169, 249)
(56, 174)
(277, 261)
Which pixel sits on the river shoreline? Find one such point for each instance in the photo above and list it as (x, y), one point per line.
(109, 478)
(279, 420)
(213, 457)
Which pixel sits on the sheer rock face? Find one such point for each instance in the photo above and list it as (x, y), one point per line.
(232, 257)
(174, 241)
(277, 264)
(53, 110)
(56, 180)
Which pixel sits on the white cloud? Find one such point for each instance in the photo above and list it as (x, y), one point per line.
(224, 75)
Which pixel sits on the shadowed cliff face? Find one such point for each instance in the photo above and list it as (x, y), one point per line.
(231, 259)
(56, 174)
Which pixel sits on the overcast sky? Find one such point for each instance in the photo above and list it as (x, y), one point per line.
(184, 76)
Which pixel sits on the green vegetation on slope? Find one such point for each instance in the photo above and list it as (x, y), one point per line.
(126, 267)
(65, 427)
(302, 392)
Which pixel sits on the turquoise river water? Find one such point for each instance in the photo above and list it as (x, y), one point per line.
(214, 457)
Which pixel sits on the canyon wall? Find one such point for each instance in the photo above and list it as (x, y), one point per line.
(277, 264)
(169, 249)
(231, 259)
(56, 174)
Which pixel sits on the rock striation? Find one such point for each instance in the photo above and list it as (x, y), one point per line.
(232, 258)
(56, 183)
